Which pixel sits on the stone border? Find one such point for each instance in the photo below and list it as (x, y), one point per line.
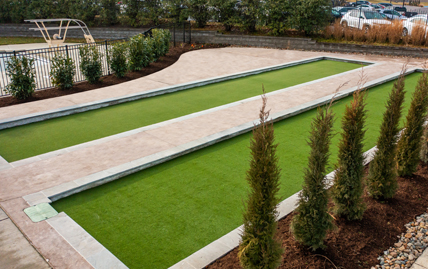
(87, 246)
(54, 113)
(44, 156)
(207, 254)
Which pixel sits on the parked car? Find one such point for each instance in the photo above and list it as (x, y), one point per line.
(362, 19)
(343, 10)
(399, 9)
(362, 3)
(410, 23)
(392, 14)
(376, 6)
(366, 7)
(335, 15)
(410, 14)
(385, 4)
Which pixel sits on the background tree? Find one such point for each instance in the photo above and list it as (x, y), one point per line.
(381, 181)
(278, 15)
(312, 221)
(250, 12)
(310, 16)
(199, 11)
(348, 188)
(226, 12)
(259, 247)
(131, 11)
(109, 12)
(409, 145)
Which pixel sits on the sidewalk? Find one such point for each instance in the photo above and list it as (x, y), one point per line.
(33, 175)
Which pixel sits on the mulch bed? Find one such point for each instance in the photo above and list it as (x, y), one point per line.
(165, 61)
(354, 244)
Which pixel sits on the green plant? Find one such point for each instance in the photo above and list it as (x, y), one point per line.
(199, 10)
(140, 52)
(259, 247)
(226, 12)
(409, 144)
(310, 16)
(250, 13)
(90, 63)
(424, 145)
(381, 181)
(117, 58)
(348, 188)
(312, 221)
(20, 70)
(62, 72)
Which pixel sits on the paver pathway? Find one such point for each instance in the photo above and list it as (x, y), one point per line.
(30, 176)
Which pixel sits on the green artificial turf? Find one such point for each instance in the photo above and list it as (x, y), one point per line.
(41, 137)
(156, 217)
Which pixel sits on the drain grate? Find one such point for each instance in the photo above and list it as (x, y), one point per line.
(40, 212)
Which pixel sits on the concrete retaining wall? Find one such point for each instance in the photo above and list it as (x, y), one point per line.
(218, 38)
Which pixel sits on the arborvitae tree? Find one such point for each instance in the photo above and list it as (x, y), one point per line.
(424, 145)
(348, 188)
(312, 221)
(260, 247)
(409, 145)
(381, 181)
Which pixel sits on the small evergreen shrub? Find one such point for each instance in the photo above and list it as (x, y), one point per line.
(117, 58)
(259, 247)
(158, 43)
(140, 52)
(90, 63)
(424, 145)
(381, 181)
(348, 188)
(409, 144)
(312, 221)
(20, 70)
(62, 72)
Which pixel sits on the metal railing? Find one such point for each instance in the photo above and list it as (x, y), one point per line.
(180, 32)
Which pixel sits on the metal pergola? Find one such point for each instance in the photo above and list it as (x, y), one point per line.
(57, 39)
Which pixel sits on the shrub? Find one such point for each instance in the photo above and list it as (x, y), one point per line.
(359, 35)
(62, 72)
(117, 58)
(140, 52)
(312, 221)
(424, 145)
(226, 12)
(337, 30)
(395, 32)
(381, 181)
(409, 144)
(20, 70)
(259, 247)
(348, 188)
(90, 63)
(310, 16)
(158, 46)
(382, 33)
(418, 35)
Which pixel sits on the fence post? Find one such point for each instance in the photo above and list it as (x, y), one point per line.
(108, 66)
(14, 53)
(174, 32)
(184, 32)
(66, 50)
(190, 32)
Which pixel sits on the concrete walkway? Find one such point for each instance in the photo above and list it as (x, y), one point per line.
(15, 250)
(31, 176)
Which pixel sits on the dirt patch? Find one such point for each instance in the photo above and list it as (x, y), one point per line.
(163, 62)
(354, 244)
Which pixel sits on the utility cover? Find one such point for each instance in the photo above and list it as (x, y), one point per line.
(40, 212)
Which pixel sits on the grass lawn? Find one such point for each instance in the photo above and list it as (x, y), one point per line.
(156, 217)
(41, 137)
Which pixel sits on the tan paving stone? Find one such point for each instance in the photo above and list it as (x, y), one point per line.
(44, 238)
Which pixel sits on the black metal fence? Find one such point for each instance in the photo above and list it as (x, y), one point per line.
(180, 32)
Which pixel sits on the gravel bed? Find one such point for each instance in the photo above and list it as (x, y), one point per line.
(409, 247)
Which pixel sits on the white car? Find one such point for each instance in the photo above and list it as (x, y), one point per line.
(392, 14)
(362, 19)
(410, 23)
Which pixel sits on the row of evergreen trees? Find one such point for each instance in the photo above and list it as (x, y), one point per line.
(304, 15)
(397, 154)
